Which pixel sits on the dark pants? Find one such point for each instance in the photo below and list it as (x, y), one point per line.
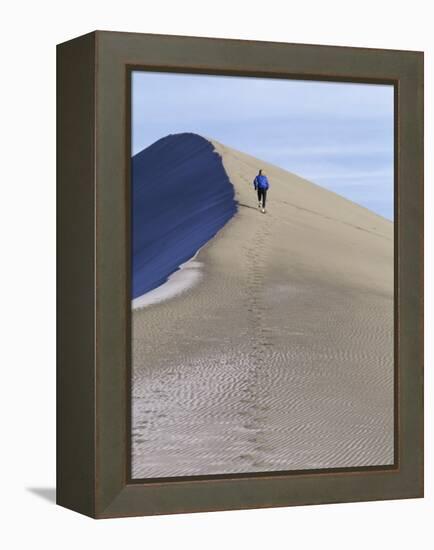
(262, 195)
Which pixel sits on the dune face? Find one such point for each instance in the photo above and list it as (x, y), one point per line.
(281, 356)
(184, 174)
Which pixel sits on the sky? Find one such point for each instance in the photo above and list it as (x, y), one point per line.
(337, 135)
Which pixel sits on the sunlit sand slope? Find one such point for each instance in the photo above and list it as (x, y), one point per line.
(281, 356)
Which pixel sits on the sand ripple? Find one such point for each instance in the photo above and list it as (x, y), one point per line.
(275, 379)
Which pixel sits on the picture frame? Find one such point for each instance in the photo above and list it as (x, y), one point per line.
(94, 325)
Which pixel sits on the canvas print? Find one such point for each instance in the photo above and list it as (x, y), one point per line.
(262, 275)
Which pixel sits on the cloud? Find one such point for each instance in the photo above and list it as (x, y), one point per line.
(363, 175)
(337, 150)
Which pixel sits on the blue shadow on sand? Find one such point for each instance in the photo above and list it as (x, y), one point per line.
(181, 197)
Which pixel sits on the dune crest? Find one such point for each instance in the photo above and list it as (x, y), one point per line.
(181, 196)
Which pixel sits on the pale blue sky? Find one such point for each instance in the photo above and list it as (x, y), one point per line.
(338, 135)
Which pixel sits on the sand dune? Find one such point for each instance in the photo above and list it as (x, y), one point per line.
(280, 357)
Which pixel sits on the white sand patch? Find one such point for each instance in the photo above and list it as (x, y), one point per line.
(188, 274)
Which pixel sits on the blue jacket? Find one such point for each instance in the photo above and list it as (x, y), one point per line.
(261, 182)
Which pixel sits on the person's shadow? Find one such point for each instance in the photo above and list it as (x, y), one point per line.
(246, 206)
(47, 493)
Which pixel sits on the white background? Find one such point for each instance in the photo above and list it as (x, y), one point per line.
(29, 33)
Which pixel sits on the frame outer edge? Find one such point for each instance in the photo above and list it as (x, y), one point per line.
(411, 273)
(75, 384)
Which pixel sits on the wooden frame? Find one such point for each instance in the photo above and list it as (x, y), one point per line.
(93, 274)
